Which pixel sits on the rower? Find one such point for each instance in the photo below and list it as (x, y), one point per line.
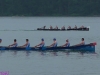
(56, 27)
(75, 27)
(63, 27)
(14, 44)
(69, 27)
(82, 26)
(0, 40)
(82, 42)
(54, 44)
(51, 27)
(67, 44)
(41, 44)
(44, 27)
(27, 45)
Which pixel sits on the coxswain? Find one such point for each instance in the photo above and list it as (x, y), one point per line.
(14, 44)
(27, 44)
(41, 44)
(69, 27)
(51, 27)
(67, 44)
(54, 43)
(82, 42)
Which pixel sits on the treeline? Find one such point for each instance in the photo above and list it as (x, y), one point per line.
(49, 7)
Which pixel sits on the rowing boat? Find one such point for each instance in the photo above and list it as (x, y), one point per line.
(78, 29)
(83, 48)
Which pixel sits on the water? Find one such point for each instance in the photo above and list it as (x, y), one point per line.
(37, 63)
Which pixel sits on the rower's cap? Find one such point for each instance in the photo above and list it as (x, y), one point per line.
(54, 39)
(42, 39)
(0, 39)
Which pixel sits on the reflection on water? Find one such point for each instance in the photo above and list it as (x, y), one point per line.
(40, 63)
(42, 53)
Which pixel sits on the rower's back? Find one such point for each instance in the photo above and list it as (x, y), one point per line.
(67, 43)
(55, 43)
(42, 43)
(28, 44)
(83, 42)
(15, 43)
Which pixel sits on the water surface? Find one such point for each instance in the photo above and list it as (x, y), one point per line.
(60, 63)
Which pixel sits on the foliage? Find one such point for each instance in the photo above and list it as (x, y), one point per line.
(49, 7)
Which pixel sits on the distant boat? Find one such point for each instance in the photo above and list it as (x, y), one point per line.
(78, 29)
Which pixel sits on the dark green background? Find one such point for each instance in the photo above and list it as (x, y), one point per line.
(49, 7)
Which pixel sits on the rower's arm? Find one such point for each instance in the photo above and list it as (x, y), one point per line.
(38, 45)
(12, 44)
(52, 44)
(24, 45)
(79, 44)
(64, 45)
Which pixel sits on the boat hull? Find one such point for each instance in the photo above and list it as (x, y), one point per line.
(82, 48)
(79, 29)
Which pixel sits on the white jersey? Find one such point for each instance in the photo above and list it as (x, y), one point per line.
(68, 44)
(28, 45)
(55, 45)
(15, 45)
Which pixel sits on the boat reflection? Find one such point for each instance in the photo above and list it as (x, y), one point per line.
(28, 53)
(15, 52)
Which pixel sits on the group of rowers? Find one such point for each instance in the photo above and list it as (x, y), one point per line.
(69, 27)
(42, 44)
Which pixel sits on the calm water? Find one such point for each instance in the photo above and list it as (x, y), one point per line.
(37, 63)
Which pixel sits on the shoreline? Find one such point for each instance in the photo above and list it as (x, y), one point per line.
(49, 16)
